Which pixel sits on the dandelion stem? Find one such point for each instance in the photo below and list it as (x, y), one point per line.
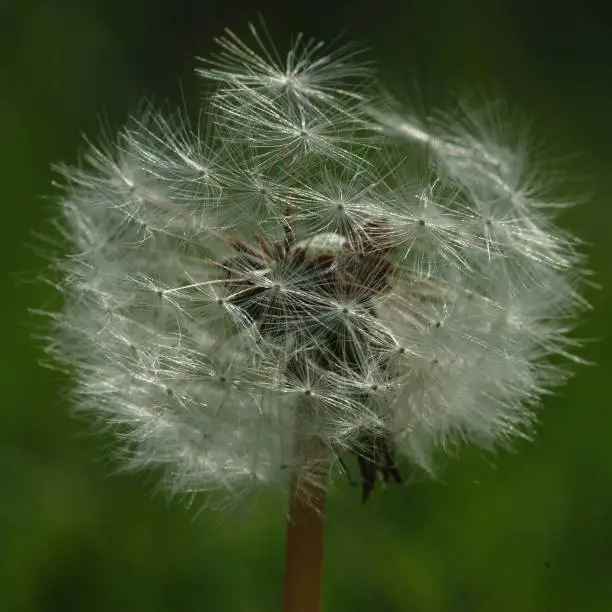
(305, 543)
(306, 521)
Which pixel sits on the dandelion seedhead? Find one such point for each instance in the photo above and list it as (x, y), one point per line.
(313, 269)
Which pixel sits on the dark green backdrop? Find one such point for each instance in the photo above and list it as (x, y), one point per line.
(528, 531)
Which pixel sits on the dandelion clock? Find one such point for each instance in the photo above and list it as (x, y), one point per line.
(312, 281)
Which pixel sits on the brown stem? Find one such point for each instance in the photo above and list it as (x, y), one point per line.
(305, 543)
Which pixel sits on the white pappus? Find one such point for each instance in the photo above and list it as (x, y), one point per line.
(285, 273)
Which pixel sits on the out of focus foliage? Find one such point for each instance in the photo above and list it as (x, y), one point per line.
(529, 530)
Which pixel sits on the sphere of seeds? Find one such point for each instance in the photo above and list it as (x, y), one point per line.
(290, 257)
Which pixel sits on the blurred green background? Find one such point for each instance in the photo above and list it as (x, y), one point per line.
(529, 530)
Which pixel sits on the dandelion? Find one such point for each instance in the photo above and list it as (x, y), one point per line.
(310, 274)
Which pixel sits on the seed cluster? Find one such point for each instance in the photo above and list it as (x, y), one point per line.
(313, 264)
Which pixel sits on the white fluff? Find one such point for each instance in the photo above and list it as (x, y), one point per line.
(482, 287)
